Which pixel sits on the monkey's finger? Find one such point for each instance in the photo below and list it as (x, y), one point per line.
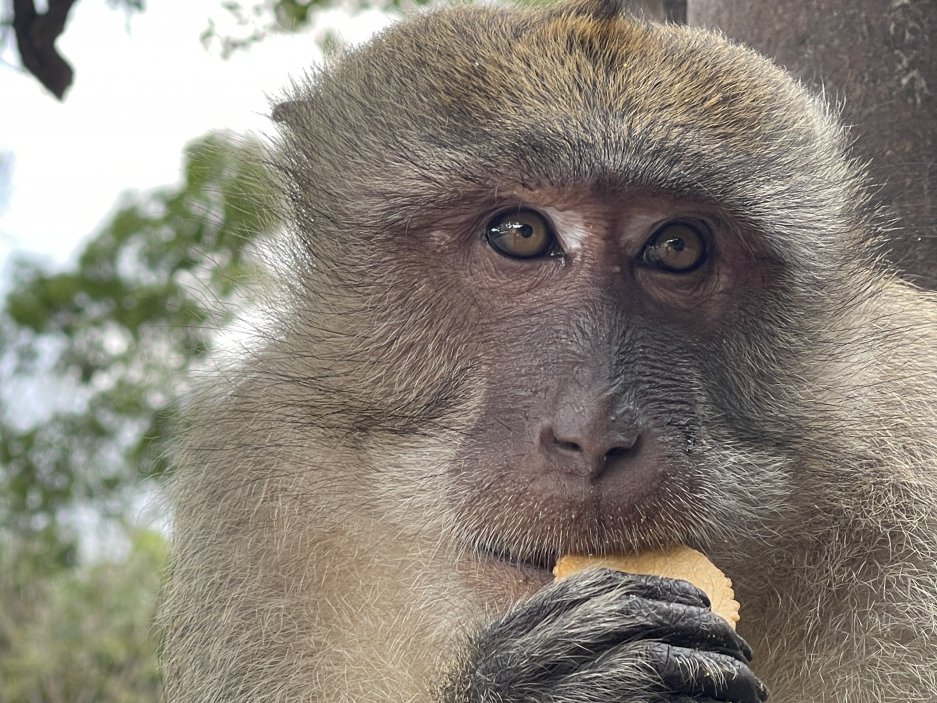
(661, 588)
(675, 624)
(561, 598)
(590, 583)
(696, 674)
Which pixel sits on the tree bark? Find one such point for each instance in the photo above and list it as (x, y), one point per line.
(878, 58)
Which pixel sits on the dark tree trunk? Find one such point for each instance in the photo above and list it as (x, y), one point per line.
(879, 58)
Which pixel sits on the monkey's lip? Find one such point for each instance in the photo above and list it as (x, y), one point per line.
(541, 561)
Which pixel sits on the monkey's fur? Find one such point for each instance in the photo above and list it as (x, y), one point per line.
(356, 502)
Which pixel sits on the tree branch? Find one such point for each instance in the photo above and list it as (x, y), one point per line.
(35, 38)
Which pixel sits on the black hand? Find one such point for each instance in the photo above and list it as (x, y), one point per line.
(602, 636)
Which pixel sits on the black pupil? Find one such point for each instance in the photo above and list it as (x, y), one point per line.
(677, 244)
(524, 230)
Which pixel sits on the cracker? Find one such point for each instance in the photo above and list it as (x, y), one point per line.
(679, 562)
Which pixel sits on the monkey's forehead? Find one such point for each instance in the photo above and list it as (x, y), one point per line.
(562, 96)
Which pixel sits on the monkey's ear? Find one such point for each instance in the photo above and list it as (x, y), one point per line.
(286, 112)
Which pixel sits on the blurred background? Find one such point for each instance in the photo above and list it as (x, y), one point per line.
(132, 199)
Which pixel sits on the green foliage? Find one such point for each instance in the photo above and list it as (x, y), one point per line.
(108, 344)
(84, 634)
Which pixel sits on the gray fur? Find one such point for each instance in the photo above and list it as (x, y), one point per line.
(321, 549)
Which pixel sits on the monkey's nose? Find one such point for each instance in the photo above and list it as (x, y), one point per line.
(590, 444)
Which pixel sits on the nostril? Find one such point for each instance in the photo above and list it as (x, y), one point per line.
(551, 442)
(567, 446)
(622, 451)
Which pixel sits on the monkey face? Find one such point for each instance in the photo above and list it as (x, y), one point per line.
(592, 316)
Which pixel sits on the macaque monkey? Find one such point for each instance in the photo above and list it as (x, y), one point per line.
(556, 280)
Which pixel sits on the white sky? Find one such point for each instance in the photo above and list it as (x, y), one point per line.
(143, 88)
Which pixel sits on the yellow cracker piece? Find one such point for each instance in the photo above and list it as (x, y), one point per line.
(680, 562)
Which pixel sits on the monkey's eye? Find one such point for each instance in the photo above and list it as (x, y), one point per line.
(678, 246)
(521, 234)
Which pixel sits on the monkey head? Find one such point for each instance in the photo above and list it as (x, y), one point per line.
(586, 265)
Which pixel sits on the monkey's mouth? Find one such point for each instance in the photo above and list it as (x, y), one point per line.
(535, 545)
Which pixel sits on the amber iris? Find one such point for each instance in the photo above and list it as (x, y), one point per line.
(678, 246)
(521, 234)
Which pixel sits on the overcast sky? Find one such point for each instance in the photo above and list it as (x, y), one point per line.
(144, 86)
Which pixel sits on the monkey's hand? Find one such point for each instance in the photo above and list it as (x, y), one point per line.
(601, 636)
